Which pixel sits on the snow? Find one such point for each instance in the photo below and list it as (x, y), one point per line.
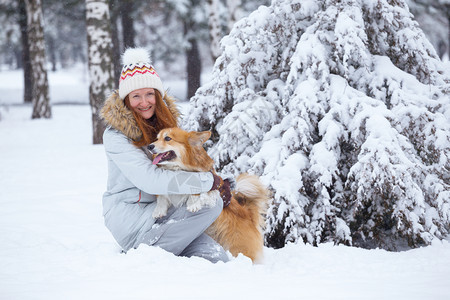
(68, 86)
(55, 245)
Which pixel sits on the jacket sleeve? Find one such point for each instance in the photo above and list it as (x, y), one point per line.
(139, 170)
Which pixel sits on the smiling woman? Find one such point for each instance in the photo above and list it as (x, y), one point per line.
(143, 102)
(134, 115)
(151, 113)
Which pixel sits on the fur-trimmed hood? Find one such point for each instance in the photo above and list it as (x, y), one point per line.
(118, 116)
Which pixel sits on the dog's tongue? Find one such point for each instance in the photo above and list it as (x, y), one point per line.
(157, 158)
(169, 155)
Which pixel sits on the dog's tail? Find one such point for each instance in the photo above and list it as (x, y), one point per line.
(251, 193)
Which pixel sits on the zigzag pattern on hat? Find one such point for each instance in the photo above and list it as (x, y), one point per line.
(141, 70)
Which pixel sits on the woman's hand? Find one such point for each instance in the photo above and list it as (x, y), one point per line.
(223, 186)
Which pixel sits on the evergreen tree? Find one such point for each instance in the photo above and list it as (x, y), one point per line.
(222, 15)
(342, 107)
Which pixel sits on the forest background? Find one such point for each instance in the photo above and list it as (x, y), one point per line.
(174, 31)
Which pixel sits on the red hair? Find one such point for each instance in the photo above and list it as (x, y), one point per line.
(162, 118)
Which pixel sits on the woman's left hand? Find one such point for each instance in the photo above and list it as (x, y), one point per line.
(223, 186)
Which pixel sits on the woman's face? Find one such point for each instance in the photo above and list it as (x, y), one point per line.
(143, 102)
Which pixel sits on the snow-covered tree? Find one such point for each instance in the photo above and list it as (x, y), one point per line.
(101, 75)
(40, 92)
(342, 108)
(222, 14)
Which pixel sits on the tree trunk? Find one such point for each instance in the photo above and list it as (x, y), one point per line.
(447, 9)
(194, 66)
(126, 8)
(18, 57)
(100, 61)
(215, 31)
(52, 52)
(234, 12)
(114, 12)
(40, 94)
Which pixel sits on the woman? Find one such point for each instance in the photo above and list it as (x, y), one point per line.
(134, 115)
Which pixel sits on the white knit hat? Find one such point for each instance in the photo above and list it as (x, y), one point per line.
(138, 72)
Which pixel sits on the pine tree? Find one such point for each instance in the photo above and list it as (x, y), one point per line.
(100, 61)
(40, 92)
(342, 108)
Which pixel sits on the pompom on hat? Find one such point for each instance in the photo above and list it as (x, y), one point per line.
(138, 72)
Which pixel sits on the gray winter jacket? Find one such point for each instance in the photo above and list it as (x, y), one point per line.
(133, 181)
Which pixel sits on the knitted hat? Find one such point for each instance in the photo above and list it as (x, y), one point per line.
(138, 72)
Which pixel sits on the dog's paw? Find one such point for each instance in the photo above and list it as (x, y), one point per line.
(159, 213)
(193, 204)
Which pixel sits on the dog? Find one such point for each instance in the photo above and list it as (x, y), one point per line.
(239, 228)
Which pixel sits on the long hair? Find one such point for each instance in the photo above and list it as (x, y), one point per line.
(162, 118)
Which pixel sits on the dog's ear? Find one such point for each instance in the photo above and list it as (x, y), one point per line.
(198, 138)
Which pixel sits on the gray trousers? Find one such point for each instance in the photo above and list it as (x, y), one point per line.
(182, 233)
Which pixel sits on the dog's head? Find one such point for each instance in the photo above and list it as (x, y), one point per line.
(179, 149)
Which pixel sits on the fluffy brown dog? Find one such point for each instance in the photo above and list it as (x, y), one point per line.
(239, 226)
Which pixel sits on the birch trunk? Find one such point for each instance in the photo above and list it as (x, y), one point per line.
(234, 12)
(40, 93)
(100, 61)
(215, 32)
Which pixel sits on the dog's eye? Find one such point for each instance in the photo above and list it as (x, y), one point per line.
(167, 138)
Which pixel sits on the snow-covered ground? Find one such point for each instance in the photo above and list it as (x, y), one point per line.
(54, 244)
